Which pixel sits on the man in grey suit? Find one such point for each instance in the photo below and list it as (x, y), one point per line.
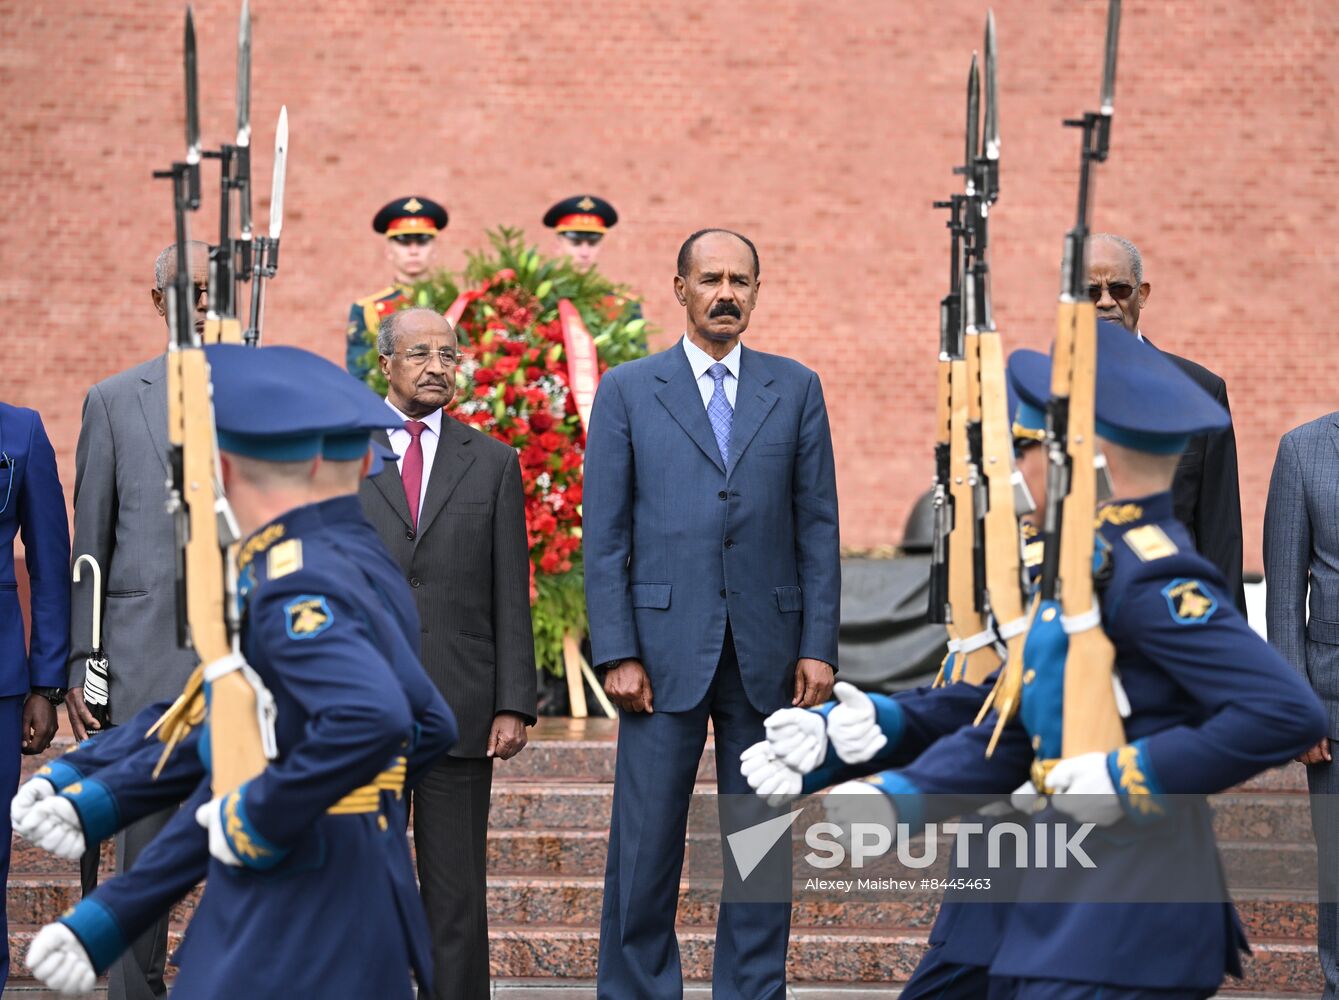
(1301, 557)
(712, 580)
(452, 513)
(120, 518)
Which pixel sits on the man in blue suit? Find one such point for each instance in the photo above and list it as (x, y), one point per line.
(712, 581)
(1301, 553)
(32, 673)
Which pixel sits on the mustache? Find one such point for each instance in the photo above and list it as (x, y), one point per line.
(724, 309)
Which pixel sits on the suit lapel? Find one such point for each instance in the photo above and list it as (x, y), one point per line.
(449, 466)
(753, 402)
(389, 483)
(681, 397)
(153, 403)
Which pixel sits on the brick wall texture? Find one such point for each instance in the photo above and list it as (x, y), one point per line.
(823, 130)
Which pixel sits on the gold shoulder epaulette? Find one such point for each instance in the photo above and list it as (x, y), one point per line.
(1150, 542)
(258, 544)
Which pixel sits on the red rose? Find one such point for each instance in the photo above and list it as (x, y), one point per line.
(573, 494)
(571, 406)
(506, 366)
(549, 562)
(485, 376)
(509, 394)
(481, 391)
(541, 421)
(552, 441)
(532, 355)
(533, 455)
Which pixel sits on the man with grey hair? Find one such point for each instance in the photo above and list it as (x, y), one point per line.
(451, 511)
(1205, 493)
(120, 498)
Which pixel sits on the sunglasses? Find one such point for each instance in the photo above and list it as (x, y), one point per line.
(1118, 290)
(412, 239)
(590, 239)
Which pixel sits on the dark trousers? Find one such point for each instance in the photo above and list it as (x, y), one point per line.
(938, 979)
(1054, 989)
(11, 728)
(657, 764)
(1323, 780)
(451, 843)
(138, 974)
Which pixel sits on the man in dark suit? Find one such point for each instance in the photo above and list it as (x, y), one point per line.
(120, 471)
(1301, 553)
(452, 514)
(32, 671)
(1205, 494)
(712, 580)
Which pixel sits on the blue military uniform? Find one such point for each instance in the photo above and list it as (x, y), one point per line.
(32, 505)
(1209, 705)
(321, 832)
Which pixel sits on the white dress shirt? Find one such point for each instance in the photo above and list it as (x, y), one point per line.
(699, 360)
(400, 438)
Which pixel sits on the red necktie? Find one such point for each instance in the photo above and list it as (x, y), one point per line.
(411, 469)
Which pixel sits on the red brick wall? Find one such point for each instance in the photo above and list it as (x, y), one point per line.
(822, 130)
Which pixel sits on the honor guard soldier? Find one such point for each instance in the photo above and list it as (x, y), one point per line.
(319, 835)
(410, 226)
(580, 224)
(1205, 704)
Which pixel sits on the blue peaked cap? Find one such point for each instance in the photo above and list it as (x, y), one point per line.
(282, 404)
(1028, 419)
(1144, 401)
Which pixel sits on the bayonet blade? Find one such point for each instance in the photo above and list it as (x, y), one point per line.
(991, 127)
(973, 113)
(1109, 72)
(192, 93)
(244, 76)
(280, 167)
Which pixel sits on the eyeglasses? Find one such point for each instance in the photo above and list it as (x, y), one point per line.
(590, 239)
(1118, 290)
(419, 358)
(413, 239)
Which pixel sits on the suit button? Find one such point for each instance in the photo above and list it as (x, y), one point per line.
(415, 582)
(722, 592)
(409, 533)
(723, 495)
(729, 543)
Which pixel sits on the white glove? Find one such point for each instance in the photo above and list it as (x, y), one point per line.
(1025, 798)
(33, 791)
(210, 816)
(859, 802)
(770, 778)
(797, 736)
(851, 727)
(54, 825)
(58, 959)
(1081, 787)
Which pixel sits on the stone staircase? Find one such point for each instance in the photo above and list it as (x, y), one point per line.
(550, 816)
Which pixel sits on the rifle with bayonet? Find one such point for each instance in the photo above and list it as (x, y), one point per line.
(973, 652)
(265, 254)
(230, 258)
(1092, 717)
(205, 528)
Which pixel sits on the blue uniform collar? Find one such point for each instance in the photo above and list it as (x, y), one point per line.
(299, 521)
(1118, 516)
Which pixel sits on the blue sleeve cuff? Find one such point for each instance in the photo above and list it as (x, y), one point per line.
(251, 848)
(1136, 783)
(97, 930)
(891, 721)
(98, 812)
(907, 798)
(59, 773)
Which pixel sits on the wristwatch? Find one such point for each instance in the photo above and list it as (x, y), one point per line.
(602, 669)
(54, 695)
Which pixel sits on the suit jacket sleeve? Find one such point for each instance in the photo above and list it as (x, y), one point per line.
(607, 527)
(1287, 556)
(1218, 507)
(512, 632)
(817, 544)
(46, 545)
(95, 504)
